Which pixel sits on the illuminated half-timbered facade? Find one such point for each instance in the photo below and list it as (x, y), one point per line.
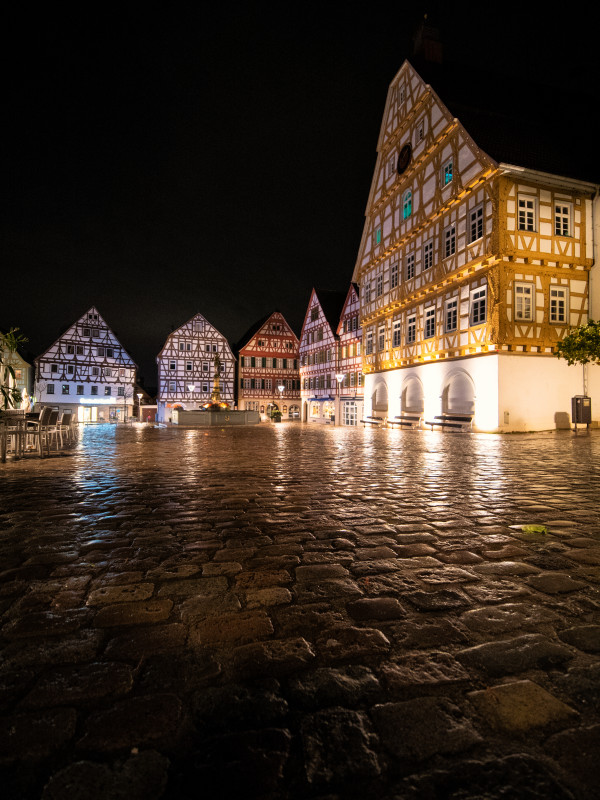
(470, 268)
(89, 371)
(268, 371)
(349, 374)
(319, 357)
(186, 368)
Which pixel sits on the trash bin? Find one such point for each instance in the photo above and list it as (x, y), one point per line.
(581, 409)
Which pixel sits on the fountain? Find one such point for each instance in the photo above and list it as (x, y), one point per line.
(216, 411)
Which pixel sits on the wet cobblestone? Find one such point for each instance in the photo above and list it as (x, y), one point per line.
(295, 611)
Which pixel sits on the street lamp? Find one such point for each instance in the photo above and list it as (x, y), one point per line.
(191, 388)
(339, 376)
(139, 397)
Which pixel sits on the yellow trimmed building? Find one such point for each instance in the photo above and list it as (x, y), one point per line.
(473, 263)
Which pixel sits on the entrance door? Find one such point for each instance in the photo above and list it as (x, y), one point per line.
(350, 413)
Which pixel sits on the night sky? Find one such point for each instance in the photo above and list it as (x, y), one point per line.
(163, 161)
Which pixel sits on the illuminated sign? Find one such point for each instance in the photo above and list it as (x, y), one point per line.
(97, 401)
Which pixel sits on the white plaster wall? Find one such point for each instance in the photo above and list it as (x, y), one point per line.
(536, 392)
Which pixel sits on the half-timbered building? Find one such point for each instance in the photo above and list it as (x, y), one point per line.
(268, 369)
(186, 368)
(474, 261)
(349, 373)
(319, 356)
(89, 371)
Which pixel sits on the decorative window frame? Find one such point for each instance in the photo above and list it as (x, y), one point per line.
(524, 301)
(450, 240)
(428, 255)
(394, 274)
(478, 306)
(558, 306)
(476, 223)
(563, 218)
(527, 213)
(451, 315)
(410, 266)
(429, 323)
(411, 328)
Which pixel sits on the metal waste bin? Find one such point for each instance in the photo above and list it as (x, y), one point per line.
(581, 409)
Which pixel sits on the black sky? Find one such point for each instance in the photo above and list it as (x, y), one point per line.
(161, 161)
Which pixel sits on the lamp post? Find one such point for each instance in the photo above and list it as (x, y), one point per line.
(339, 376)
(139, 397)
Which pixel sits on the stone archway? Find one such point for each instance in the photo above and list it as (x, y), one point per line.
(379, 398)
(458, 394)
(412, 399)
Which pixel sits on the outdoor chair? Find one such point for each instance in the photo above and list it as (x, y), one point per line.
(42, 430)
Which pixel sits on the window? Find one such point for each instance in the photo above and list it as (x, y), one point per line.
(50, 388)
(369, 342)
(79, 350)
(107, 391)
(107, 371)
(172, 365)
(80, 390)
(95, 370)
(368, 292)
(214, 348)
(558, 304)
(420, 132)
(447, 172)
(314, 313)
(476, 224)
(379, 286)
(86, 332)
(100, 351)
(527, 213)
(182, 345)
(378, 236)
(450, 241)
(70, 349)
(188, 366)
(428, 254)
(411, 329)
(523, 301)
(410, 266)
(95, 333)
(121, 391)
(381, 338)
(478, 306)
(396, 333)
(205, 387)
(110, 352)
(70, 370)
(562, 219)
(391, 166)
(94, 390)
(451, 315)
(394, 275)
(172, 386)
(430, 322)
(407, 204)
(54, 368)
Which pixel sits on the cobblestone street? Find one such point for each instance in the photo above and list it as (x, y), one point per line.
(297, 611)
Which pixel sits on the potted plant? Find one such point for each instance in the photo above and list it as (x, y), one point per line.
(276, 415)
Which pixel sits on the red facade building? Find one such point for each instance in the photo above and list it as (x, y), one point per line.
(351, 385)
(268, 374)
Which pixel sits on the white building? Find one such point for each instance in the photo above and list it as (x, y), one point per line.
(186, 368)
(473, 265)
(89, 371)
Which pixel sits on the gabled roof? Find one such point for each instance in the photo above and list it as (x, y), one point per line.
(331, 303)
(539, 127)
(254, 329)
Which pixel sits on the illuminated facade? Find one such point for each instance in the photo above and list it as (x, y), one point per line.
(186, 368)
(319, 357)
(89, 371)
(349, 373)
(470, 270)
(268, 359)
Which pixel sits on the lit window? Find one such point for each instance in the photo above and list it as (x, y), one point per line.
(428, 254)
(411, 329)
(527, 213)
(478, 306)
(476, 224)
(378, 236)
(394, 275)
(558, 304)
(523, 301)
(451, 315)
(396, 332)
(449, 241)
(430, 322)
(562, 219)
(407, 204)
(410, 266)
(447, 172)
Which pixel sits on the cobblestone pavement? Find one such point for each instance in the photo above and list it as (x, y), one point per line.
(291, 611)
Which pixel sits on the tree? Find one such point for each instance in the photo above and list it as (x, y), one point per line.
(582, 345)
(10, 395)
